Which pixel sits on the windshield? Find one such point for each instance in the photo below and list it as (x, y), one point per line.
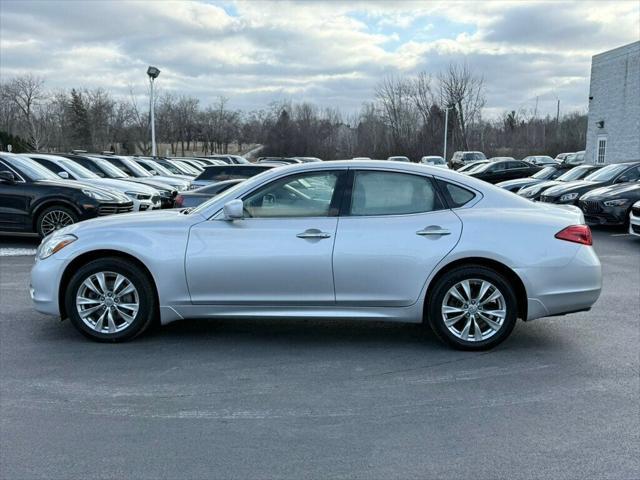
(137, 170)
(574, 174)
(607, 173)
(111, 170)
(483, 167)
(185, 167)
(160, 170)
(32, 169)
(78, 171)
(545, 173)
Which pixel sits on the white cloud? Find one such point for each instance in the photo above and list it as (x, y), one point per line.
(329, 52)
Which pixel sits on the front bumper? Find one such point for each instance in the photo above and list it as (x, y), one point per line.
(45, 282)
(596, 213)
(561, 290)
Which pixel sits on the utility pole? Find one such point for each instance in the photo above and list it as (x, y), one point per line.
(446, 124)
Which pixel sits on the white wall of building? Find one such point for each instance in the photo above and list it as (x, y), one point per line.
(615, 100)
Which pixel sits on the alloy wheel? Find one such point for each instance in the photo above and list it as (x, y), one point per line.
(474, 310)
(107, 302)
(55, 220)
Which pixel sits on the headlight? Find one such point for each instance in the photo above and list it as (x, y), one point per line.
(616, 203)
(97, 195)
(182, 188)
(527, 193)
(54, 244)
(567, 197)
(137, 195)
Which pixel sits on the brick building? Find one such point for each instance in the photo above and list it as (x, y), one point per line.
(613, 131)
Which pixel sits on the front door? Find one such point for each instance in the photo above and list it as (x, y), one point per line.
(392, 236)
(279, 253)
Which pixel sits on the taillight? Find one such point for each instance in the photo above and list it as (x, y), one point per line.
(178, 201)
(576, 233)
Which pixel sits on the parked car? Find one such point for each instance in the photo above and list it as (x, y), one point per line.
(35, 200)
(132, 168)
(610, 205)
(576, 158)
(104, 169)
(398, 158)
(196, 163)
(568, 193)
(273, 247)
(434, 161)
(227, 172)
(547, 173)
(471, 166)
(179, 167)
(501, 170)
(634, 219)
(228, 159)
(143, 197)
(462, 158)
(533, 192)
(193, 198)
(155, 169)
(308, 159)
(561, 156)
(278, 160)
(540, 160)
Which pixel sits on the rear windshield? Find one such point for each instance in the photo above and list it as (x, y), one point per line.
(218, 173)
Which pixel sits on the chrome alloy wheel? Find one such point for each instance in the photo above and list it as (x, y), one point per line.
(107, 302)
(474, 310)
(55, 220)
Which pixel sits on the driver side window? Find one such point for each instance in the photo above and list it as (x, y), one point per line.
(304, 195)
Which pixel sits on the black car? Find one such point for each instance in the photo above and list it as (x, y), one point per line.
(105, 169)
(193, 198)
(218, 173)
(569, 193)
(502, 170)
(547, 173)
(610, 205)
(533, 192)
(33, 199)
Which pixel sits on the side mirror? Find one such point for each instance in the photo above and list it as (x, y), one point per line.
(233, 210)
(64, 175)
(153, 172)
(7, 177)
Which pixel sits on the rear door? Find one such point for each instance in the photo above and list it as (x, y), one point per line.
(393, 230)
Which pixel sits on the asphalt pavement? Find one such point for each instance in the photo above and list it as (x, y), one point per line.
(323, 399)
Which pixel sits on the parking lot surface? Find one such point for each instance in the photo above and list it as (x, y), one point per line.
(311, 399)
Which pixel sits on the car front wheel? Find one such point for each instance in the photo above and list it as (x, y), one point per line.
(54, 218)
(110, 300)
(472, 308)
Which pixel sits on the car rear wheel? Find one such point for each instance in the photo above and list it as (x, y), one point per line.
(54, 218)
(472, 308)
(110, 300)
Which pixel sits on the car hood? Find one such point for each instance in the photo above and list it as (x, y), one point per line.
(120, 185)
(171, 180)
(133, 221)
(569, 187)
(620, 190)
(519, 182)
(85, 184)
(150, 182)
(543, 185)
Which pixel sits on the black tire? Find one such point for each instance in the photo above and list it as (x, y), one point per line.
(63, 212)
(140, 280)
(453, 277)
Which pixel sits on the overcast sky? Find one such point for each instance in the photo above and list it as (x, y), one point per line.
(328, 52)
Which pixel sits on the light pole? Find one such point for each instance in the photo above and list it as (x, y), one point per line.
(446, 124)
(153, 73)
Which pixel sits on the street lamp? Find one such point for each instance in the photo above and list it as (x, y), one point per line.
(446, 124)
(153, 73)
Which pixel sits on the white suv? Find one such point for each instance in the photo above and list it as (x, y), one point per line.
(462, 158)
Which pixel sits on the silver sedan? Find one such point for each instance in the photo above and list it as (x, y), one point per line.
(346, 239)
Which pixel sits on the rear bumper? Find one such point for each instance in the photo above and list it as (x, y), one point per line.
(556, 291)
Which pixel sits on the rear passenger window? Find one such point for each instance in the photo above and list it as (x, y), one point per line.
(390, 193)
(456, 195)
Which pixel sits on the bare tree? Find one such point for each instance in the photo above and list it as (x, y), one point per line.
(25, 93)
(464, 91)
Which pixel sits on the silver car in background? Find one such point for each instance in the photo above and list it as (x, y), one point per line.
(344, 239)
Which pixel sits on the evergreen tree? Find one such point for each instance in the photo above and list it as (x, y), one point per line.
(80, 134)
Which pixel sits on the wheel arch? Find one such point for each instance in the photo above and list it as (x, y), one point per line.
(86, 257)
(52, 202)
(512, 277)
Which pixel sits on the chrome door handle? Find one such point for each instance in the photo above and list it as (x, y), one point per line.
(433, 230)
(313, 233)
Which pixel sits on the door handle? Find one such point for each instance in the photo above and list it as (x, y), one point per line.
(433, 230)
(313, 233)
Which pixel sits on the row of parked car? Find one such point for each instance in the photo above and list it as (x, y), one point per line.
(42, 193)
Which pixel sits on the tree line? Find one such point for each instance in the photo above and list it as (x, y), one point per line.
(406, 116)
